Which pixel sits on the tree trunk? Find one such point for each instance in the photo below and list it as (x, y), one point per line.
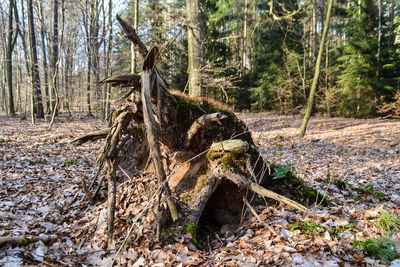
(68, 72)
(108, 60)
(327, 87)
(19, 82)
(310, 101)
(244, 56)
(379, 36)
(3, 85)
(135, 25)
(89, 65)
(54, 58)
(391, 23)
(195, 60)
(44, 55)
(36, 92)
(11, 39)
(3, 81)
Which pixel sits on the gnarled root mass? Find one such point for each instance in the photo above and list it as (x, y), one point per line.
(201, 155)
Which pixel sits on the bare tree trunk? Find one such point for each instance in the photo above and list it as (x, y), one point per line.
(56, 66)
(3, 86)
(19, 81)
(327, 94)
(96, 41)
(135, 25)
(314, 28)
(194, 46)
(68, 69)
(36, 92)
(379, 36)
(44, 55)
(86, 22)
(3, 81)
(391, 20)
(244, 56)
(54, 57)
(89, 109)
(108, 59)
(11, 39)
(310, 101)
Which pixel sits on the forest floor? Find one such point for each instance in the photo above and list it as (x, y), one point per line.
(41, 173)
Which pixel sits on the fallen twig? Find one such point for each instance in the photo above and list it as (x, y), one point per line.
(85, 189)
(258, 217)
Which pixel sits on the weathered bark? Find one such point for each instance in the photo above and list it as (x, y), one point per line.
(148, 78)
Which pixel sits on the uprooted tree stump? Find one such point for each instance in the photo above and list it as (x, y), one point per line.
(212, 163)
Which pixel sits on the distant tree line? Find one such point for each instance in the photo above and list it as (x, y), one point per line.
(250, 54)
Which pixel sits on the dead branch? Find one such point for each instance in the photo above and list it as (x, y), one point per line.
(126, 80)
(85, 189)
(201, 123)
(245, 201)
(131, 34)
(93, 136)
(151, 127)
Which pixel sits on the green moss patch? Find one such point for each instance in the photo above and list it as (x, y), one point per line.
(189, 109)
(233, 160)
(296, 186)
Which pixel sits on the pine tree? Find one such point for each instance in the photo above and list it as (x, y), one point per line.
(358, 81)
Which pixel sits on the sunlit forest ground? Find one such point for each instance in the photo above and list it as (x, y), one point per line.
(357, 163)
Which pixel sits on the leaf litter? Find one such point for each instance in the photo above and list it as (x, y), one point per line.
(41, 174)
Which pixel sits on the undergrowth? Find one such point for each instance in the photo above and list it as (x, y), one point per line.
(307, 227)
(388, 223)
(336, 230)
(282, 171)
(381, 248)
(370, 191)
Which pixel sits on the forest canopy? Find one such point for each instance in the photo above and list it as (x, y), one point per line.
(252, 55)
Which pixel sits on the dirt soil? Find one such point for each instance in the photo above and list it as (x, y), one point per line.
(41, 194)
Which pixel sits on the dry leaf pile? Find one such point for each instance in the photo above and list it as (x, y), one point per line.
(41, 195)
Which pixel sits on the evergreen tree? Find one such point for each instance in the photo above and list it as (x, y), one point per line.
(278, 61)
(358, 80)
(389, 60)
